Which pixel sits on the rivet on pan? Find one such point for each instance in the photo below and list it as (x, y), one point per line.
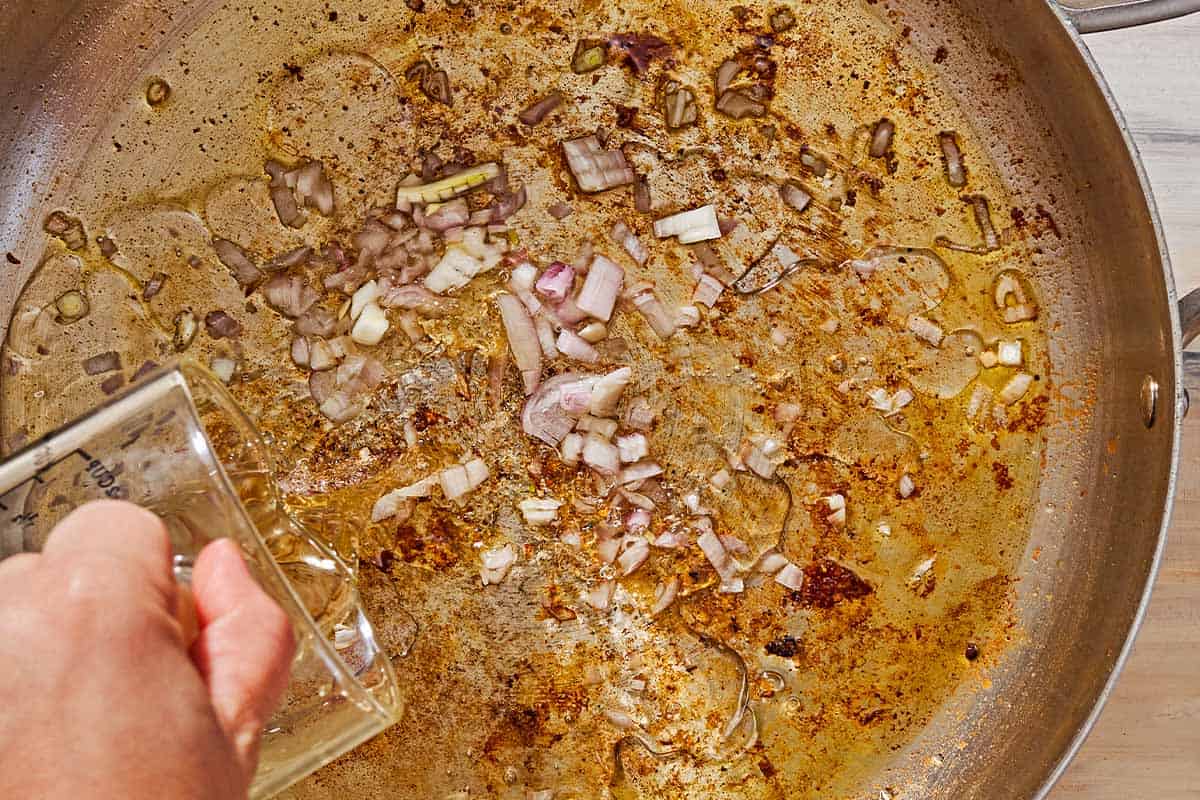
(1149, 396)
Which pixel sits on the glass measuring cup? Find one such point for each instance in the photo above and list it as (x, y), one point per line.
(178, 444)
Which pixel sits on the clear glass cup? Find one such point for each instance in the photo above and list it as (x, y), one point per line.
(178, 444)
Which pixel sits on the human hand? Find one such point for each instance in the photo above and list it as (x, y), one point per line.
(103, 696)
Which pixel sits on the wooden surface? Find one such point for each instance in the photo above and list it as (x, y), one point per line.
(1147, 743)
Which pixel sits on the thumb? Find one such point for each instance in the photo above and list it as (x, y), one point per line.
(244, 648)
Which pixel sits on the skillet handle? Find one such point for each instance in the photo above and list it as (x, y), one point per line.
(1189, 324)
(1090, 16)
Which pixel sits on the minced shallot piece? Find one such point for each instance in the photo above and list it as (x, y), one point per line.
(573, 346)
(601, 595)
(664, 596)
(495, 563)
(639, 471)
(522, 339)
(837, 508)
(708, 290)
(906, 486)
(633, 555)
(539, 511)
(594, 168)
(890, 404)
(926, 330)
(1015, 388)
(556, 282)
(601, 288)
(655, 314)
(689, 227)
(632, 447)
(601, 455)
(624, 236)
(790, 577)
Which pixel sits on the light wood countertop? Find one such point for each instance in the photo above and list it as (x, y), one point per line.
(1147, 743)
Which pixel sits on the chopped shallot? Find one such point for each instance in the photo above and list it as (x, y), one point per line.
(461, 479)
(837, 507)
(633, 556)
(496, 563)
(655, 313)
(1022, 307)
(544, 416)
(606, 392)
(794, 196)
(1008, 354)
(600, 289)
(710, 544)
(600, 597)
(632, 447)
(571, 449)
(572, 346)
(522, 339)
(223, 368)
(638, 471)
(596, 169)
(771, 562)
(664, 596)
(536, 112)
(890, 404)
(390, 503)
(601, 455)
(624, 236)
(448, 188)
(539, 511)
(790, 577)
(698, 225)
(881, 138)
(370, 326)
(556, 282)
(956, 173)
(593, 332)
(236, 260)
(907, 486)
(1015, 388)
(687, 317)
(707, 291)
(926, 330)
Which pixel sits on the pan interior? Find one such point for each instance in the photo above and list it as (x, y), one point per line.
(909, 607)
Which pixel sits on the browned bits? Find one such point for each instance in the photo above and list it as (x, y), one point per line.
(784, 646)
(972, 651)
(827, 583)
(158, 91)
(782, 19)
(1001, 474)
(67, 228)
